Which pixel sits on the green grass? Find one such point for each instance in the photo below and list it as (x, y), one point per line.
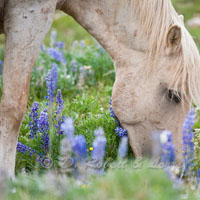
(135, 181)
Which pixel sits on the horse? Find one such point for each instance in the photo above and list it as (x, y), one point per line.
(156, 61)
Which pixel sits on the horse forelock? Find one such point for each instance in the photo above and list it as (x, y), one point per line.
(156, 17)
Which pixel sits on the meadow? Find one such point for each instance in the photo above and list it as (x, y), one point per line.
(69, 124)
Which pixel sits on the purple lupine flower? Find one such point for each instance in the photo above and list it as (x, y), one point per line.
(123, 148)
(33, 124)
(53, 38)
(1, 67)
(60, 45)
(43, 126)
(60, 121)
(119, 130)
(74, 45)
(112, 113)
(79, 147)
(59, 102)
(74, 65)
(60, 108)
(187, 141)
(82, 43)
(51, 82)
(22, 148)
(99, 145)
(68, 127)
(57, 55)
(168, 151)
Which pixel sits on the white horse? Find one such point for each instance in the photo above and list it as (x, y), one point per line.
(156, 61)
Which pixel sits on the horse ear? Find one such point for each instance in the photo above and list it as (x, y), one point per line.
(174, 36)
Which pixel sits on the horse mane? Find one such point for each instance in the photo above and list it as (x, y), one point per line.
(156, 17)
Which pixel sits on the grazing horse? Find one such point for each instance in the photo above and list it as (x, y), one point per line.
(156, 61)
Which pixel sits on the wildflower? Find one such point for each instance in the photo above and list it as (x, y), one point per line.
(91, 148)
(188, 145)
(168, 152)
(59, 102)
(123, 148)
(119, 130)
(22, 148)
(57, 55)
(33, 124)
(51, 82)
(60, 45)
(1, 66)
(68, 127)
(82, 43)
(53, 38)
(74, 65)
(43, 126)
(112, 113)
(65, 160)
(99, 132)
(74, 45)
(99, 145)
(60, 108)
(79, 147)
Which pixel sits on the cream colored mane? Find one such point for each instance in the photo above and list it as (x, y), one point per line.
(157, 16)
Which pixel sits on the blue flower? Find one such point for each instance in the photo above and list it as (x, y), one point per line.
(43, 126)
(123, 148)
(68, 127)
(74, 65)
(74, 45)
(168, 151)
(120, 131)
(60, 108)
(60, 45)
(112, 113)
(57, 55)
(82, 43)
(79, 147)
(99, 145)
(187, 141)
(51, 82)
(1, 67)
(22, 148)
(53, 38)
(33, 124)
(59, 102)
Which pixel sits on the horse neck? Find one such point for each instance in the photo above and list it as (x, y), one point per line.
(112, 24)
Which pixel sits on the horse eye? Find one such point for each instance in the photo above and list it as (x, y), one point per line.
(173, 96)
